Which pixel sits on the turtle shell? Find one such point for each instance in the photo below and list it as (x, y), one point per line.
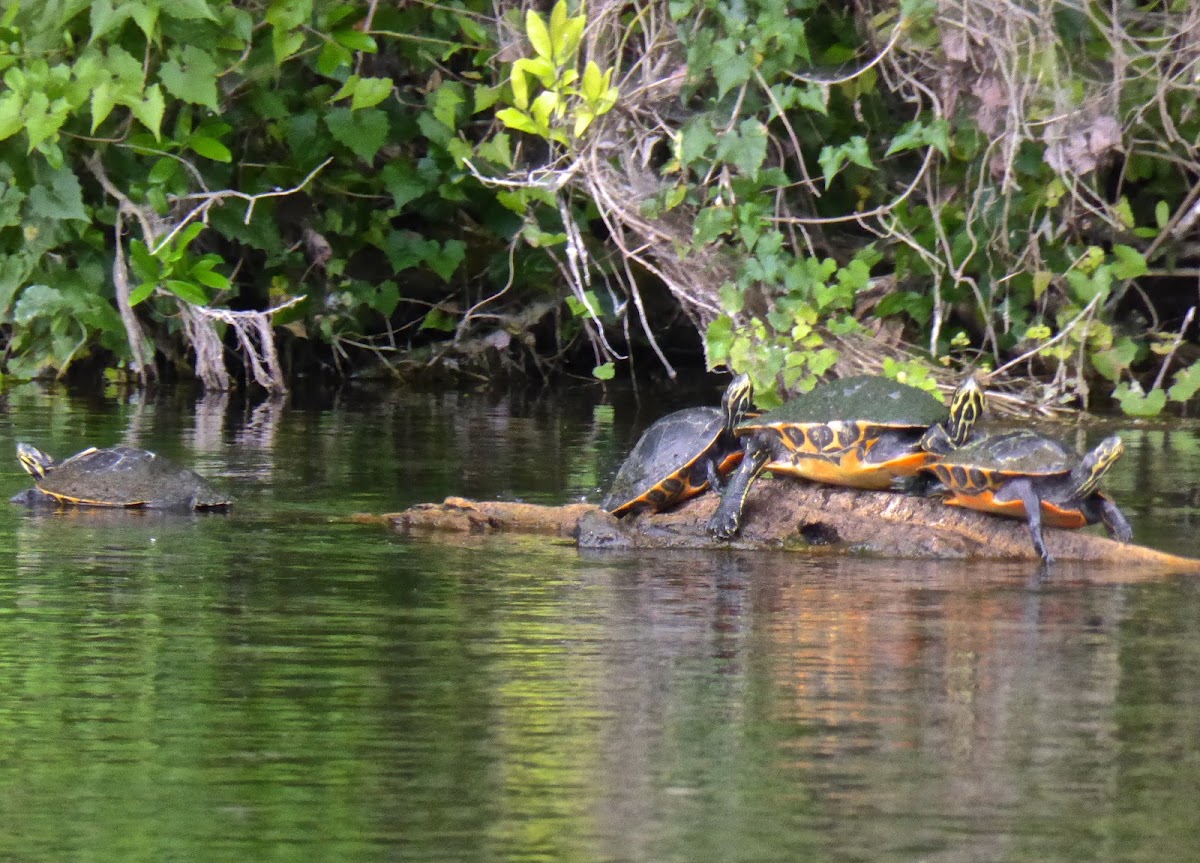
(667, 465)
(1018, 453)
(123, 476)
(864, 399)
(977, 474)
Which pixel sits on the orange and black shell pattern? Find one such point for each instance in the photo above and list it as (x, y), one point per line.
(858, 454)
(670, 461)
(861, 431)
(977, 476)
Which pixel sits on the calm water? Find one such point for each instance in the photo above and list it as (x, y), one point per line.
(276, 684)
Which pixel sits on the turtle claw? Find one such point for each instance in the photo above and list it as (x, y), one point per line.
(724, 526)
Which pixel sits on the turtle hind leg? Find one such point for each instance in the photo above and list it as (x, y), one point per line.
(713, 475)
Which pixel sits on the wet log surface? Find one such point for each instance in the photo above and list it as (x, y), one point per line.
(782, 513)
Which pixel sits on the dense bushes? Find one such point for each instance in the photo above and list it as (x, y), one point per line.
(995, 184)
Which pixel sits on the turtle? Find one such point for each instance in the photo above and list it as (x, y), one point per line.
(1027, 475)
(864, 431)
(119, 476)
(681, 455)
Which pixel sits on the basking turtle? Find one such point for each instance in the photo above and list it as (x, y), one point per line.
(1026, 475)
(118, 476)
(865, 432)
(681, 455)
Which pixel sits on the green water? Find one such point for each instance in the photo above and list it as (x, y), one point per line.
(274, 684)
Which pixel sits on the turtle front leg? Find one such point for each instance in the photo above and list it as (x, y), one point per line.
(1114, 520)
(1033, 512)
(727, 520)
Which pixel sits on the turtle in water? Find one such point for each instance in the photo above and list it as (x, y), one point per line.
(1026, 475)
(681, 455)
(118, 476)
(865, 432)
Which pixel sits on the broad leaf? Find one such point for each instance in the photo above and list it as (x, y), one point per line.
(370, 92)
(539, 35)
(57, 196)
(210, 148)
(363, 132)
(191, 75)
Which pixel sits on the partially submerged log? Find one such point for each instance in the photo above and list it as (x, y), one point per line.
(784, 513)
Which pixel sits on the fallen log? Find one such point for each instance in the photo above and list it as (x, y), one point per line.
(783, 513)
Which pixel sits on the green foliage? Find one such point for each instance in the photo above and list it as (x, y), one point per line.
(192, 110)
(1029, 245)
(396, 164)
(567, 99)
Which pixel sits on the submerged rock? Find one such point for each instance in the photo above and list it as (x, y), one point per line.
(783, 513)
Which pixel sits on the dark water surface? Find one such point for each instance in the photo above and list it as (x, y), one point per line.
(276, 685)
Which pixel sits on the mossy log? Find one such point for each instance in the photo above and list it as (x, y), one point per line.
(783, 513)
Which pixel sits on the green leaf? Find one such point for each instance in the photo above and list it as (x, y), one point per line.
(910, 137)
(437, 319)
(355, 40)
(558, 22)
(10, 115)
(332, 57)
(1187, 383)
(484, 97)
(57, 196)
(498, 150)
(539, 36)
(1130, 262)
(141, 293)
(445, 261)
(187, 291)
(1115, 361)
(695, 139)
(370, 92)
(711, 222)
(1135, 404)
(403, 182)
(1085, 287)
(209, 278)
(746, 148)
(814, 97)
(145, 15)
(1162, 214)
(859, 153)
(163, 171)
(38, 301)
(104, 99)
(191, 75)
(831, 160)
(363, 132)
(568, 45)
(731, 68)
(1124, 212)
(719, 339)
(605, 372)
(42, 119)
(285, 43)
(188, 10)
(149, 111)
(519, 120)
(445, 102)
(406, 249)
(210, 148)
(104, 17)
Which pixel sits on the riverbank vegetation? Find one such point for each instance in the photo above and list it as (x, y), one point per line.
(245, 191)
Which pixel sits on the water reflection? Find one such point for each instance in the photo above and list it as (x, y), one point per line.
(279, 683)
